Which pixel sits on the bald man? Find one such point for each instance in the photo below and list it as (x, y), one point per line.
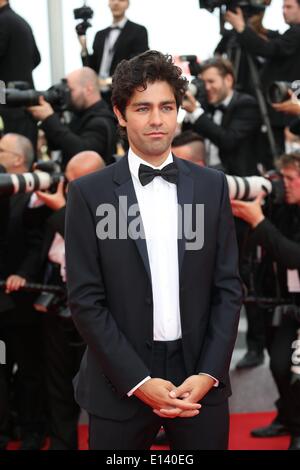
(92, 127)
(189, 146)
(63, 346)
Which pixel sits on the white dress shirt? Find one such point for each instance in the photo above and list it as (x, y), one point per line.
(159, 212)
(158, 206)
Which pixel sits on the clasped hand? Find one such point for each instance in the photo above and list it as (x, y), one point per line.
(169, 401)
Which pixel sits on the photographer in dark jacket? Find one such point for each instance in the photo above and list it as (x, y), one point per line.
(19, 56)
(19, 323)
(229, 124)
(280, 240)
(282, 54)
(93, 126)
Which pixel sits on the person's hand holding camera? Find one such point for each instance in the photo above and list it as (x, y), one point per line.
(290, 106)
(236, 19)
(42, 111)
(189, 102)
(251, 212)
(54, 201)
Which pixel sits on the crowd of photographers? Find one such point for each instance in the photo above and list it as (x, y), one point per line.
(235, 111)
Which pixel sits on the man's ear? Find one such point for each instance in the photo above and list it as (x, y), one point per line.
(122, 121)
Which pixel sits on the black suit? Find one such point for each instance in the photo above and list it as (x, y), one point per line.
(236, 136)
(132, 40)
(110, 292)
(19, 56)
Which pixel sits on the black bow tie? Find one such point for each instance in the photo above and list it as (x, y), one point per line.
(114, 28)
(147, 174)
(220, 107)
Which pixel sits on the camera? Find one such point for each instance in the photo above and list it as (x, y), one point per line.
(196, 86)
(19, 94)
(251, 7)
(84, 13)
(278, 92)
(249, 187)
(29, 182)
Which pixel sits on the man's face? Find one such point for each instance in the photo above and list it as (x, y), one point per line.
(8, 156)
(118, 7)
(291, 12)
(217, 87)
(78, 99)
(150, 120)
(291, 178)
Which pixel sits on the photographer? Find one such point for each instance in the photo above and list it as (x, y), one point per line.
(279, 238)
(229, 124)
(92, 126)
(63, 346)
(20, 324)
(282, 54)
(122, 40)
(19, 56)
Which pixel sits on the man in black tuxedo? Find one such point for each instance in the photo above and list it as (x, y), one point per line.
(281, 53)
(122, 40)
(19, 56)
(157, 306)
(229, 122)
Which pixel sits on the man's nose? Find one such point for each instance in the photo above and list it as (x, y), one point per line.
(156, 118)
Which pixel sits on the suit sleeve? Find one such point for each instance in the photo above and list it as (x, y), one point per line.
(226, 298)
(87, 299)
(282, 250)
(245, 120)
(93, 60)
(93, 137)
(284, 45)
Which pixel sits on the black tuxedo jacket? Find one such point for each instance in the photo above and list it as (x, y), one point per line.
(236, 137)
(133, 40)
(19, 54)
(110, 294)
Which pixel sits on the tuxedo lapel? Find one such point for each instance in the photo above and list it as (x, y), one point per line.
(127, 198)
(185, 195)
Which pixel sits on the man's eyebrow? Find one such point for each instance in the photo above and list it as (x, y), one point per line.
(148, 103)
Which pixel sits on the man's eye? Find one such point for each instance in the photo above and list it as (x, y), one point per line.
(142, 109)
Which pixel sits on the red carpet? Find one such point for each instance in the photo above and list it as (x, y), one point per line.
(240, 439)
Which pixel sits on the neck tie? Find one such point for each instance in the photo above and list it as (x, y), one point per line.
(168, 173)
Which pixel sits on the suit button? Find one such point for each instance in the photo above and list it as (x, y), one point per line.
(148, 301)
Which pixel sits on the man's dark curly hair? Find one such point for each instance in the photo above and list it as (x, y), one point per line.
(149, 67)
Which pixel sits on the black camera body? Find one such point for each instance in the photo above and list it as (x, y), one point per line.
(19, 94)
(250, 7)
(278, 92)
(84, 13)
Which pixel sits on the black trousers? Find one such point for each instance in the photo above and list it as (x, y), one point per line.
(207, 431)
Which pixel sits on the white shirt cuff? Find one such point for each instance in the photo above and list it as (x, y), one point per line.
(192, 117)
(131, 392)
(216, 384)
